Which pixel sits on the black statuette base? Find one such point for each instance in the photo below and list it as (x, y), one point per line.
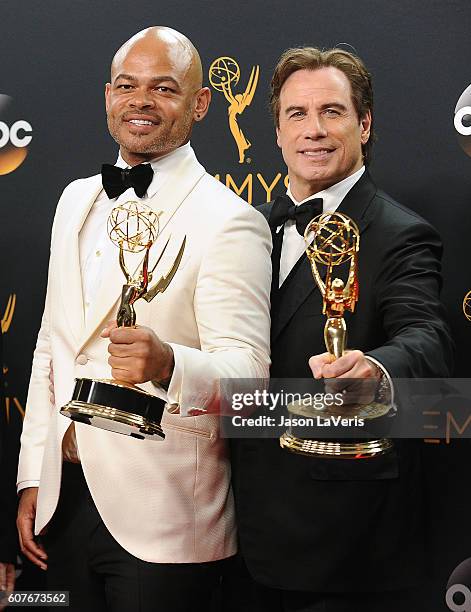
(115, 407)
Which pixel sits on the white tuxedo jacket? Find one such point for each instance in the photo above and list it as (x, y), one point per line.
(170, 501)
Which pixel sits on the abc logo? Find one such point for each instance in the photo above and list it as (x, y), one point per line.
(462, 120)
(15, 136)
(458, 594)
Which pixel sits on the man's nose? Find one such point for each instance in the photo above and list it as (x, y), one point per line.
(141, 99)
(315, 127)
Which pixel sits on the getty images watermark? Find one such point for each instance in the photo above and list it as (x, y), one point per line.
(262, 399)
(432, 409)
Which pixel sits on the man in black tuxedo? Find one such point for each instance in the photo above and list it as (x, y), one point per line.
(340, 534)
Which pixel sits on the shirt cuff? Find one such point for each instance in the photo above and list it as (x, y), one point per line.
(172, 395)
(25, 484)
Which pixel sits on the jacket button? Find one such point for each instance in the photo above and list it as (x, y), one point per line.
(82, 360)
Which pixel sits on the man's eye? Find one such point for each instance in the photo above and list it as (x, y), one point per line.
(124, 86)
(332, 112)
(297, 115)
(164, 89)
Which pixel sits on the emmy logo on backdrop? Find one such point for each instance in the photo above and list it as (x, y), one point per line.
(9, 312)
(5, 324)
(332, 247)
(115, 405)
(224, 74)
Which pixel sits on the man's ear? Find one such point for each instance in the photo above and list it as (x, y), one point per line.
(107, 96)
(203, 100)
(365, 128)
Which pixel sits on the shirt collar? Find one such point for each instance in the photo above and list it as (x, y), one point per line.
(333, 195)
(162, 166)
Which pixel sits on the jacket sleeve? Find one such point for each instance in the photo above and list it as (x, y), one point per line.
(232, 308)
(36, 421)
(408, 299)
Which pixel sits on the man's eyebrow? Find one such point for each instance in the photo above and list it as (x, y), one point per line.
(126, 77)
(156, 79)
(294, 107)
(338, 105)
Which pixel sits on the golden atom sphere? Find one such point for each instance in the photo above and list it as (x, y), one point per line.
(333, 238)
(223, 72)
(467, 306)
(133, 226)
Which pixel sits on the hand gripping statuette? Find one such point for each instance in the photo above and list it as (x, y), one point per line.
(332, 241)
(112, 404)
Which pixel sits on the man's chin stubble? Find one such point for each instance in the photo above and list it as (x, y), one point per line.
(156, 146)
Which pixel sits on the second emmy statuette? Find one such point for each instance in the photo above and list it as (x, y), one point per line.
(332, 241)
(112, 404)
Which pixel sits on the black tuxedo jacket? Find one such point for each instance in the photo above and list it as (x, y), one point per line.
(344, 525)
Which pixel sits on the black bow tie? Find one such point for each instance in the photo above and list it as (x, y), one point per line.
(117, 180)
(283, 209)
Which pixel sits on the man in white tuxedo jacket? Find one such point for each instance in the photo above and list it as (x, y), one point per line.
(127, 524)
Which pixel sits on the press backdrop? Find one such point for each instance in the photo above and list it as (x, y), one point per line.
(54, 61)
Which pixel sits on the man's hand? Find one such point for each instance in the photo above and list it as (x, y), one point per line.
(7, 580)
(25, 523)
(137, 355)
(352, 365)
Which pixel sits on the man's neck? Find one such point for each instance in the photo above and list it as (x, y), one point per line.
(134, 159)
(305, 191)
(333, 194)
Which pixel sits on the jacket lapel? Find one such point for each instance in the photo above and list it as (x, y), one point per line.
(167, 200)
(69, 269)
(277, 240)
(357, 202)
(300, 282)
(297, 287)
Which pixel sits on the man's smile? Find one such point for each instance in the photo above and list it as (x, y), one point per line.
(139, 123)
(317, 153)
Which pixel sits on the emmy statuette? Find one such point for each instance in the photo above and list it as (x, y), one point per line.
(332, 240)
(112, 404)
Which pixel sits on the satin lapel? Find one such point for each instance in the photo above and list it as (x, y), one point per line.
(357, 202)
(300, 282)
(297, 287)
(70, 274)
(277, 239)
(168, 199)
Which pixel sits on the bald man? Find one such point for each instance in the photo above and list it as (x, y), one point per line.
(128, 525)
